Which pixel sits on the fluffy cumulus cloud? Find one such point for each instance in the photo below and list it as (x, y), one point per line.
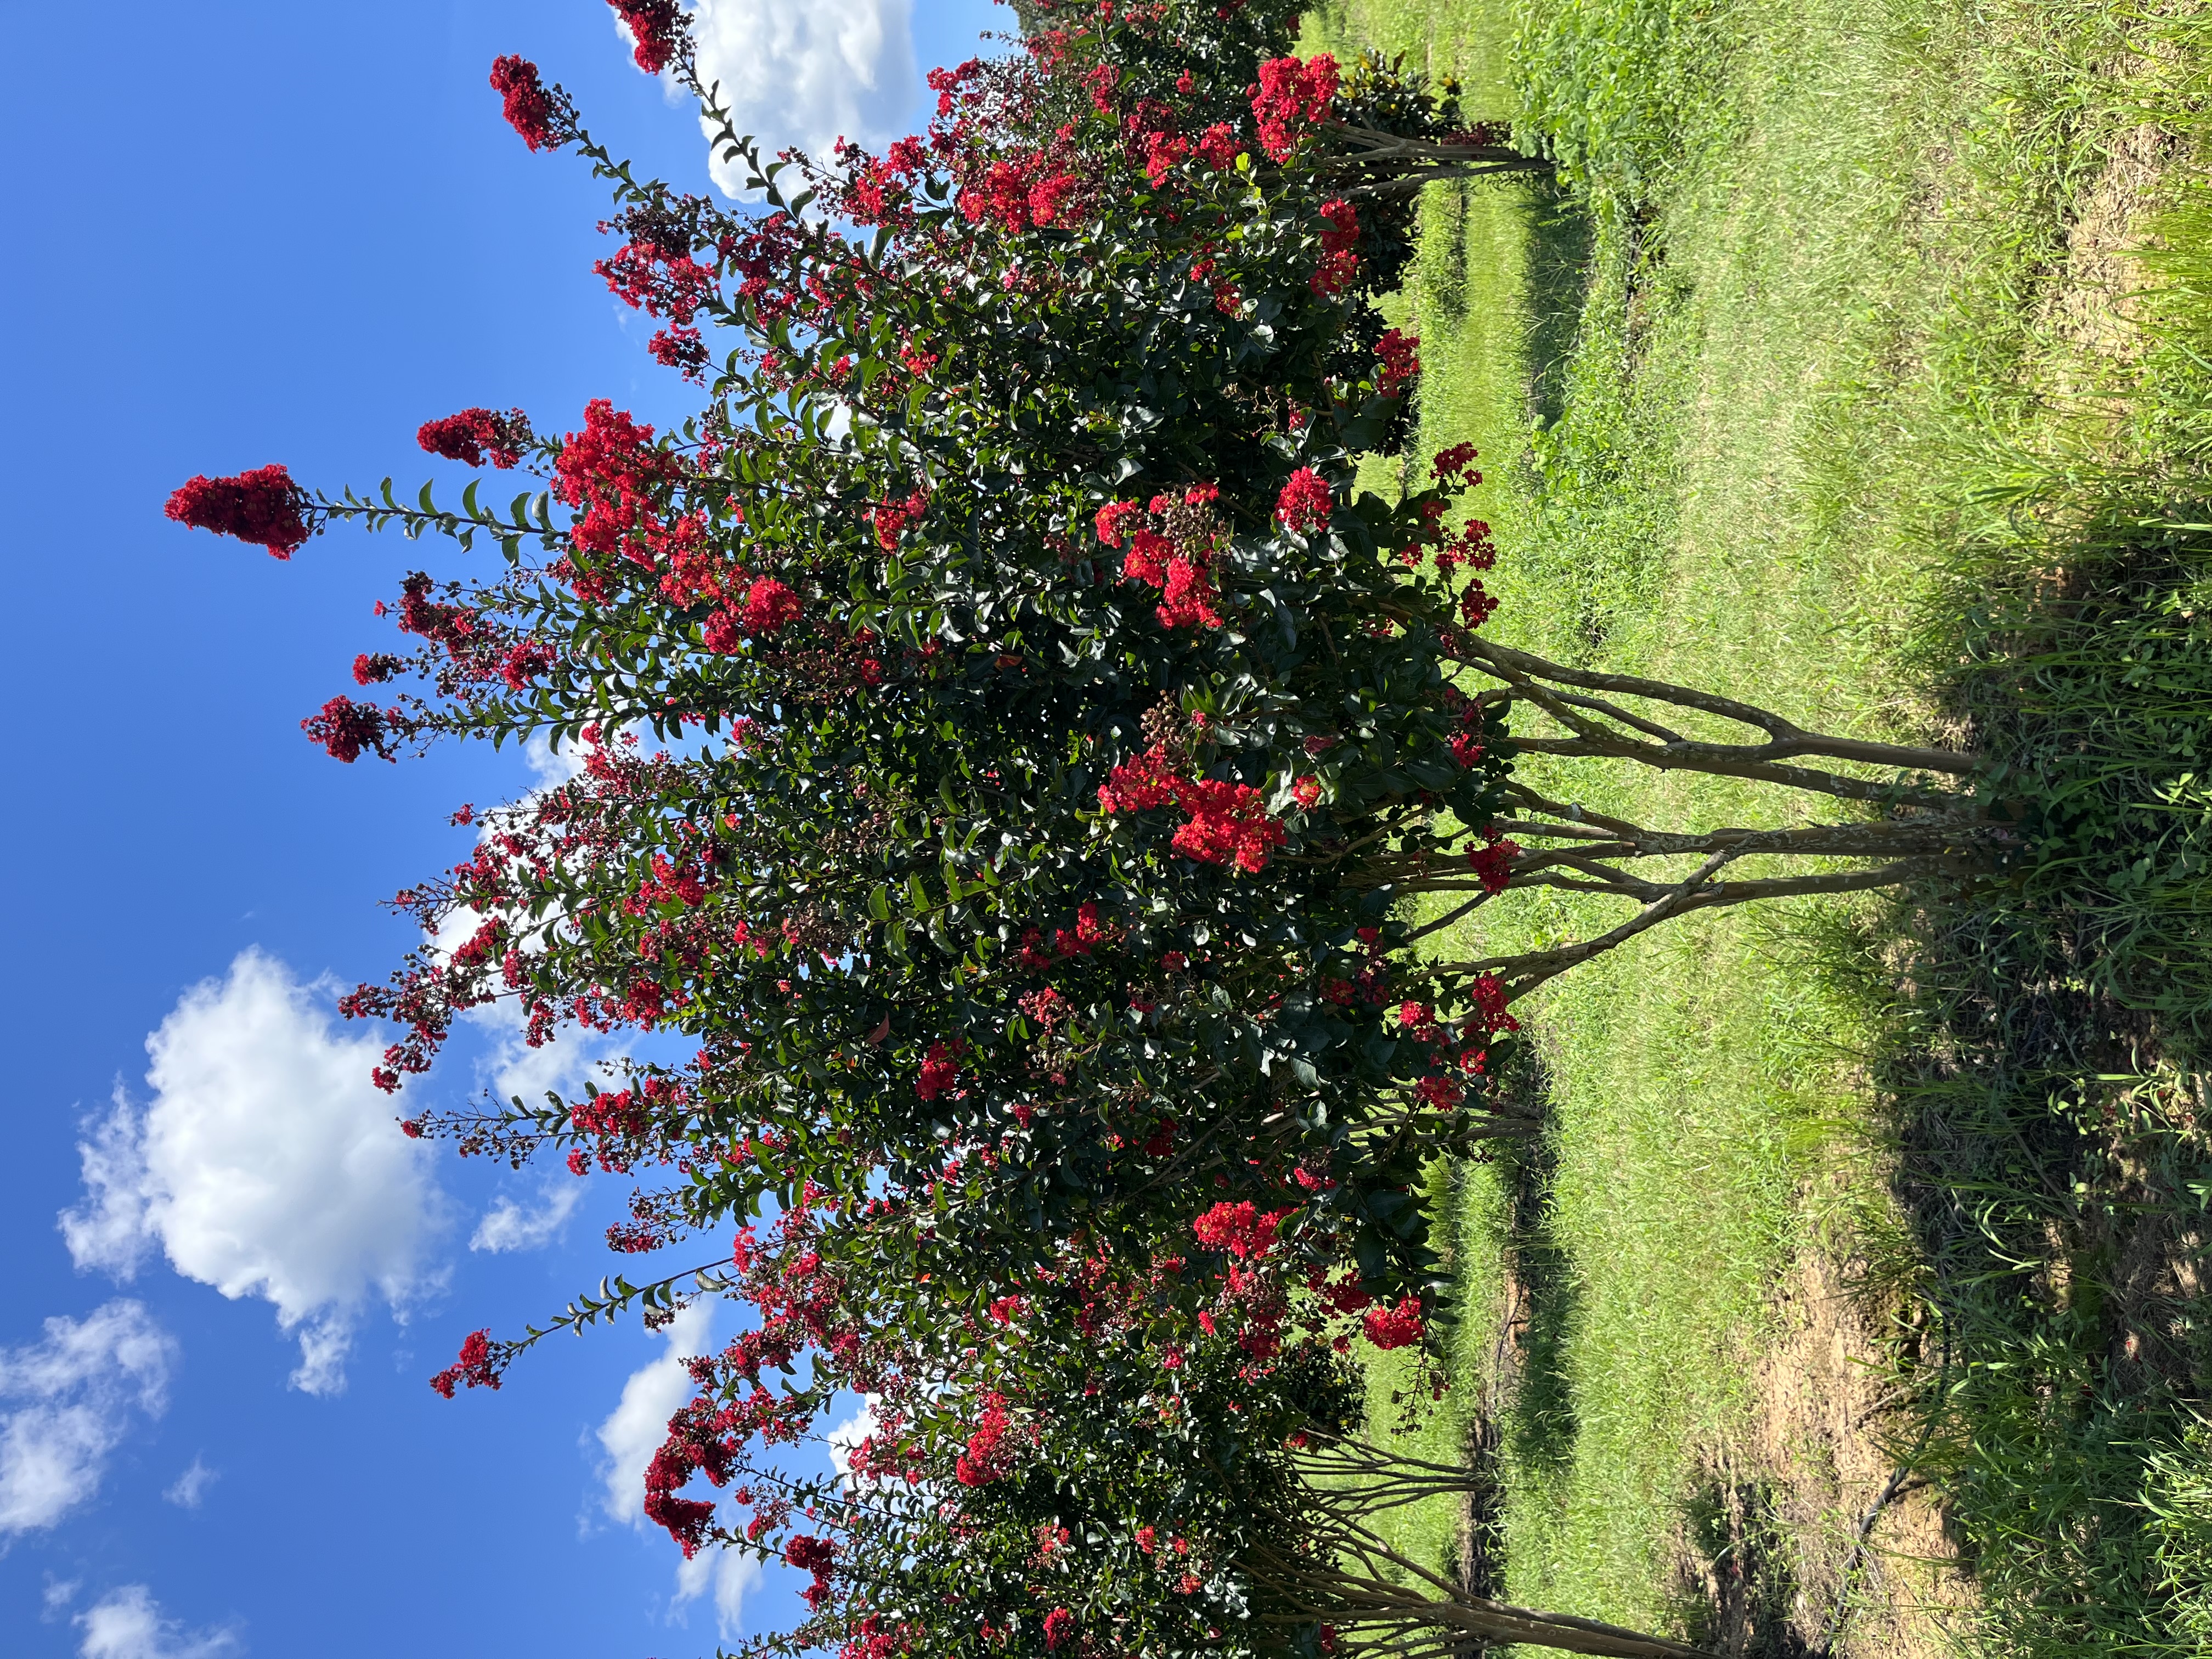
(729, 1575)
(510, 1226)
(68, 1401)
(127, 1624)
(639, 1423)
(807, 72)
(845, 1438)
(265, 1164)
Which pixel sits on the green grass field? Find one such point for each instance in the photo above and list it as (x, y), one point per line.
(1824, 376)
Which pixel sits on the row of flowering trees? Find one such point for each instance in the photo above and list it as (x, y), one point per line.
(1026, 771)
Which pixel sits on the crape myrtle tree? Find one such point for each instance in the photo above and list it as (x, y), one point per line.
(1013, 749)
(1044, 1475)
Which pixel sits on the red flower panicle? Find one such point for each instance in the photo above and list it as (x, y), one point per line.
(1394, 1327)
(1228, 822)
(679, 348)
(263, 505)
(657, 26)
(769, 607)
(345, 728)
(1340, 244)
(815, 1555)
(479, 1366)
(1294, 93)
(542, 117)
(1306, 501)
(474, 434)
(1177, 557)
(1493, 862)
(938, 1068)
(1241, 1229)
(990, 1451)
(1399, 355)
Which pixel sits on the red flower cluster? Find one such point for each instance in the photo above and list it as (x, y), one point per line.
(479, 1366)
(1177, 558)
(891, 518)
(1162, 151)
(686, 1519)
(769, 606)
(543, 118)
(1220, 145)
(524, 663)
(1493, 862)
(1306, 501)
(657, 27)
(1340, 244)
(1058, 1626)
(679, 348)
(1045, 1008)
(345, 728)
(1395, 1328)
(1016, 195)
(1401, 363)
(990, 1453)
(1240, 1229)
(263, 505)
(1489, 993)
(610, 471)
(817, 1556)
(1293, 92)
(1228, 822)
(662, 282)
(938, 1068)
(475, 434)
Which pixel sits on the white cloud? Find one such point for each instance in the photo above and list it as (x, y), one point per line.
(58, 1594)
(634, 1429)
(267, 1164)
(806, 72)
(190, 1487)
(552, 767)
(846, 1437)
(73, 1395)
(730, 1574)
(508, 1226)
(127, 1624)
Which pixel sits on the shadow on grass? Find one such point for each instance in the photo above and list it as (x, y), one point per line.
(1744, 1600)
(1537, 1425)
(1562, 245)
(2043, 1041)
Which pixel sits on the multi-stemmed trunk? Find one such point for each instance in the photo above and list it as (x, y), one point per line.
(1327, 1564)
(1925, 831)
(1369, 162)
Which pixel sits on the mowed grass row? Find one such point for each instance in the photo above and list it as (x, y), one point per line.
(1813, 313)
(1693, 1077)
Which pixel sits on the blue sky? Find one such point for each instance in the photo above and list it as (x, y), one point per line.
(287, 232)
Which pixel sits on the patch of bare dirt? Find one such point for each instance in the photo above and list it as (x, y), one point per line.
(1781, 1523)
(2088, 303)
